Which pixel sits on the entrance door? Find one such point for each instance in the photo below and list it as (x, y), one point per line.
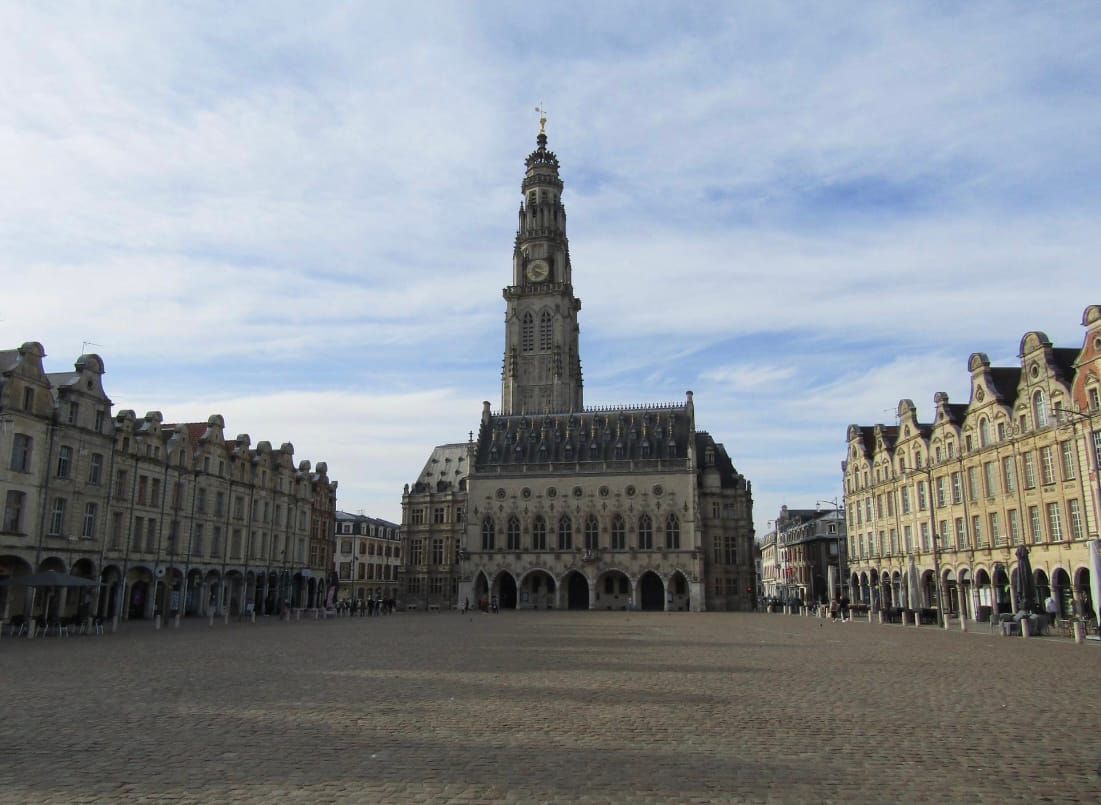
(578, 592)
(507, 598)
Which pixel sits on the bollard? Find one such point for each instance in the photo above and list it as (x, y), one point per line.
(176, 620)
(906, 618)
(210, 620)
(156, 622)
(948, 621)
(880, 616)
(1025, 627)
(298, 614)
(1079, 632)
(963, 622)
(225, 617)
(252, 618)
(869, 616)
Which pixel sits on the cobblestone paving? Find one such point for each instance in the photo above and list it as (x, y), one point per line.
(549, 707)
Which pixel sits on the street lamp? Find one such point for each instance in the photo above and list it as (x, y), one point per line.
(942, 614)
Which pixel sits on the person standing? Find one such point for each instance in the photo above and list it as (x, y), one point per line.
(1052, 609)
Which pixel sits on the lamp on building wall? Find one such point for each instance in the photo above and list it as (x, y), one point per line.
(942, 615)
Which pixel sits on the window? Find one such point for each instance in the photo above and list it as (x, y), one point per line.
(957, 488)
(416, 552)
(512, 534)
(565, 534)
(945, 534)
(908, 538)
(976, 530)
(1014, 527)
(88, 531)
(64, 461)
(135, 534)
(984, 432)
(1074, 511)
(1030, 471)
(619, 533)
(1009, 474)
(57, 518)
(922, 496)
(99, 420)
(1067, 452)
(527, 333)
(151, 535)
(645, 533)
(925, 536)
(904, 494)
(346, 528)
(95, 468)
(438, 515)
(28, 398)
(973, 483)
(672, 532)
(1035, 525)
(13, 511)
(417, 517)
(1097, 448)
(1039, 408)
(941, 496)
(546, 331)
(1047, 465)
(592, 533)
(995, 528)
(74, 413)
(990, 479)
(1054, 522)
(155, 494)
(489, 535)
(539, 533)
(197, 539)
(961, 532)
(143, 489)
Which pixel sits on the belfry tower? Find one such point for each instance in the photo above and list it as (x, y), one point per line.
(541, 372)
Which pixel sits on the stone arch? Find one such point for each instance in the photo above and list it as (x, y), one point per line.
(505, 590)
(651, 592)
(139, 593)
(613, 590)
(480, 587)
(537, 589)
(575, 585)
(1062, 590)
(678, 596)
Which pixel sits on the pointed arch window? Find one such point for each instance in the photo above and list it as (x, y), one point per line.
(546, 331)
(672, 532)
(489, 535)
(565, 533)
(645, 533)
(513, 533)
(592, 533)
(619, 533)
(539, 533)
(527, 333)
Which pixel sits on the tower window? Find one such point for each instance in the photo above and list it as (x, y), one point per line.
(527, 333)
(546, 331)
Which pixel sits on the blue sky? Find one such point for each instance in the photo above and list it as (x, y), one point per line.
(301, 216)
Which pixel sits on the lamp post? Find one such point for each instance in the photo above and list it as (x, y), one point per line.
(942, 615)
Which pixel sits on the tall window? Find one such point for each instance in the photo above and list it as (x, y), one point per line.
(904, 493)
(925, 536)
(1074, 510)
(512, 533)
(197, 539)
(1054, 522)
(216, 542)
(957, 488)
(1014, 527)
(1035, 525)
(961, 532)
(151, 535)
(64, 461)
(546, 331)
(1067, 453)
(984, 432)
(95, 468)
(135, 534)
(619, 533)
(1030, 470)
(13, 511)
(592, 533)
(941, 494)
(1039, 408)
(923, 497)
(672, 532)
(57, 517)
(88, 531)
(995, 528)
(645, 533)
(973, 482)
(976, 530)
(1047, 465)
(565, 533)
(527, 333)
(1009, 474)
(489, 534)
(539, 533)
(21, 453)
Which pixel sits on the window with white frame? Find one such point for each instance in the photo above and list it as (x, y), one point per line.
(1035, 524)
(1047, 465)
(57, 518)
(995, 528)
(1074, 512)
(1030, 470)
(1009, 474)
(1014, 526)
(88, 529)
(1054, 522)
(1066, 451)
(14, 504)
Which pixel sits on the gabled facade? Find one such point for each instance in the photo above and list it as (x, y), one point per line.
(1015, 465)
(367, 556)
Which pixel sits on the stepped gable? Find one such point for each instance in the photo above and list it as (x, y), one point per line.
(648, 433)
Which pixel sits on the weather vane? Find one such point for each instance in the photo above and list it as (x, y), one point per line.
(542, 118)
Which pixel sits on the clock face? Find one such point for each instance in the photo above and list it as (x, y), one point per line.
(538, 271)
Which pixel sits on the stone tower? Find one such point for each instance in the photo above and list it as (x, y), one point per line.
(541, 372)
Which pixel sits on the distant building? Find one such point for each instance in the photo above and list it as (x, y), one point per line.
(956, 495)
(171, 519)
(368, 557)
(554, 505)
(803, 556)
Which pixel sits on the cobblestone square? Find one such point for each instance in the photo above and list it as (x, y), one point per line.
(549, 707)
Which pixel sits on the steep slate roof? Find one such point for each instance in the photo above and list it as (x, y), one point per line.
(1064, 358)
(447, 466)
(8, 359)
(643, 434)
(728, 476)
(1006, 380)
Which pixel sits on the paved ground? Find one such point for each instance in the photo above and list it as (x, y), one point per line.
(550, 707)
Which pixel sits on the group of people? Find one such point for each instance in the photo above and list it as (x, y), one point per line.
(366, 607)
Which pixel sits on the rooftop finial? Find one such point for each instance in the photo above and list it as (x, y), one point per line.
(542, 118)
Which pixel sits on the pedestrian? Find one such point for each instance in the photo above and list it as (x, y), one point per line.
(1052, 609)
(844, 608)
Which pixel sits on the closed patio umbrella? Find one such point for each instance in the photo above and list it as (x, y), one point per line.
(1026, 585)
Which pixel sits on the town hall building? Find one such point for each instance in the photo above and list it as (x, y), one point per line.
(552, 505)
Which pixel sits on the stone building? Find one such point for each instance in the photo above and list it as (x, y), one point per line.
(554, 505)
(368, 557)
(170, 519)
(953, 497)
(806, 555)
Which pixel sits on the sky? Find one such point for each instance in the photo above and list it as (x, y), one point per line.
(301, 215)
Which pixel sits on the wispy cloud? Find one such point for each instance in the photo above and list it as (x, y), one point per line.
(302, 217)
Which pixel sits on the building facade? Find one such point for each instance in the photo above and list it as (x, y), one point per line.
(805, 556)
(951, 499)
(554, 505)
(170, 519)
(368, 557)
